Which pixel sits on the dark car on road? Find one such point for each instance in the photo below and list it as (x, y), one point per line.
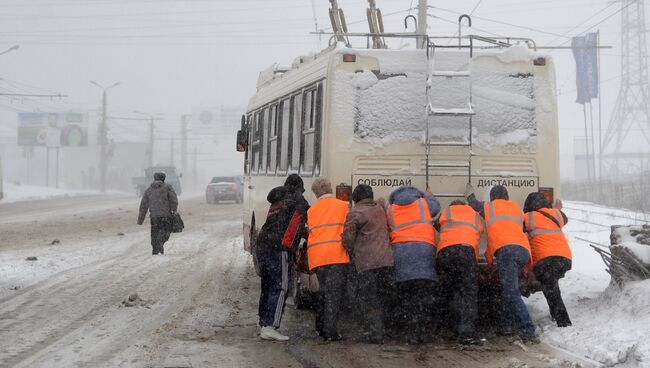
(224, 188)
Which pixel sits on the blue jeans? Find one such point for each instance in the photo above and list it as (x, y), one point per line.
(510, 259)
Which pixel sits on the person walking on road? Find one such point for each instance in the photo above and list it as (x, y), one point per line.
(276, 243)
(550, 251)
(161, 202)
(460, 230)
(327, 256)
(365, 236)
(508, 245)
(410, 216)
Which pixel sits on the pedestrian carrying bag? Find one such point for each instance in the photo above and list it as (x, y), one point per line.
(176, 225)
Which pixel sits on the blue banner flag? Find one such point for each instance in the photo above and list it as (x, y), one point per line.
(585, 53)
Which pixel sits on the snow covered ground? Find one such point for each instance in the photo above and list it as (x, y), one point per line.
(17, 193)
(199, 305)
(609, 325)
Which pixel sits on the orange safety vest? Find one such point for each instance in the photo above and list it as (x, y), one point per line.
(325, 220)
(505, 226)
(460, 224)
(546, 238)
(411, 223)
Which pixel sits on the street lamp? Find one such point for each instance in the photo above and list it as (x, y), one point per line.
(103, 132)
(12, 48)
(152, 117)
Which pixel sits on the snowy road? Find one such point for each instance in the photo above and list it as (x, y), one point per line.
(199, 301)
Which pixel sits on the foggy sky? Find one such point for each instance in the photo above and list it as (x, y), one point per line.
(173, 55)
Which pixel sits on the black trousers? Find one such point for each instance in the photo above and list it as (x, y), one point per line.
(331, 280)
(459, 287)
(159, 233)
(374, 288)
(417, 305)
(548, 272)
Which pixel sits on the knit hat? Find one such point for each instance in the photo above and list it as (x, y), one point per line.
(295, 181)
(159, 176)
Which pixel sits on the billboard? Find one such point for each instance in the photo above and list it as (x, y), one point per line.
(53, 129)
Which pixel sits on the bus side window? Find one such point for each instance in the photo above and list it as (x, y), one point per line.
(264, 134)
(247, 154)
(272, 159)
(283, 153)
(256, 139)
(296, 132)
(318, 127)
(308, 133)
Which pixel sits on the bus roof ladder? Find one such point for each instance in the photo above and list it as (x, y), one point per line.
(434, 112)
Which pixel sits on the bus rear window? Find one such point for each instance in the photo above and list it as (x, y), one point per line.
(391, 107)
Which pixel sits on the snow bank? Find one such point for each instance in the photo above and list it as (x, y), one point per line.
(609, 324)
(18, 193)
(636, 239)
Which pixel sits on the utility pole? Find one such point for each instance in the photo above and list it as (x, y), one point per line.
(151, 142)
(195, 173)
(172, 151)
(152, 137)
(422, 23)
(185, 120)
(102, 137)
(103, 160)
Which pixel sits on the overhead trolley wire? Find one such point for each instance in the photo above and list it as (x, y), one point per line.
(499, 22)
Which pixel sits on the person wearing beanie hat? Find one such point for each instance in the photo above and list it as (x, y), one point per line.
(277, 241)
(161, 202)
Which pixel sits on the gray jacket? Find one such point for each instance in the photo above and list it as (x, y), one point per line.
(159, 199)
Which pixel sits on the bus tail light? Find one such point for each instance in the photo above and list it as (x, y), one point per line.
(548, 194)
(349, 58)
(344, 192)
(540, 61)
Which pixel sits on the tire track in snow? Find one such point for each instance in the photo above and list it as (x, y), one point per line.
(103, 286)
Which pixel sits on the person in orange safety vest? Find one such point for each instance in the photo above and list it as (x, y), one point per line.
(508, 245)
(460, 230)
(550, 250)
(327, 256)
(410, 216)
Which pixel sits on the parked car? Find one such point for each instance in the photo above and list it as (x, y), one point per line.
(224, 188)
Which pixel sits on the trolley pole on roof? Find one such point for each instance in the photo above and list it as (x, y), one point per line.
(422, 23)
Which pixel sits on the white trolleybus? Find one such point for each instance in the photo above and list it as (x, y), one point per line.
(482, 112)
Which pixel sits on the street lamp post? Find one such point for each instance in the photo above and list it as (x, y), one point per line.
(102, 134)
